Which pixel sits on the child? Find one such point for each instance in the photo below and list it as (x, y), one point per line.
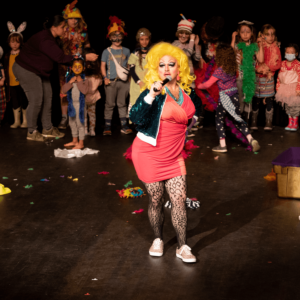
(14, 91)
(288, 86)
(225, 76)
(115, 88)
(137, 64)
(265, 88)
(2, 89)
(76, 87)
(243, 42)
(93, 75)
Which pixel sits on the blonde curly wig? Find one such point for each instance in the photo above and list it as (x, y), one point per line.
(153, 57)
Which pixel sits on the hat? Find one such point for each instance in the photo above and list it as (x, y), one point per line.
(4, 190)
(71, 11)
(115, 25)
(215, 27)
(185, 24)
(142, 32)
(12, 28)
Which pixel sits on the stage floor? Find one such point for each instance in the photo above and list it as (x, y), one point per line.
(58, 236)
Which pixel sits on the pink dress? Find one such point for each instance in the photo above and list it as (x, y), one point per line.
(164, 161)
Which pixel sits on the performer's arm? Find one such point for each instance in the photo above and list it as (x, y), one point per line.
(208, 83)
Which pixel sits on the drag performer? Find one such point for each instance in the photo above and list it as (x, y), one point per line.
(288, 86)
(225, 77)
(33, 67)
(137, 64)
(75, 38)
(113, 62)
(265, 86)
(162, 117)
(14, 92)
(188, 42)
(2, 89)
(247, 51)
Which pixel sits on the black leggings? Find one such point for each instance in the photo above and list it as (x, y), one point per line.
(18, 97)
(269, 103)
(220, 116)
(176, 188)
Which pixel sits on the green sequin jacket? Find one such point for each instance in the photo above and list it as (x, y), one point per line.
(147, 116)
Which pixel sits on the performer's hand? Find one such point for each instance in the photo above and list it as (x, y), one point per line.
(234, 34)
(197, 40)
(106, 81)
(192, 37)
(158, 86)
(141, 84)
(72, 79)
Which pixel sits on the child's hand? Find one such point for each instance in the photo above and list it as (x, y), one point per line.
(106, 81)
(234, 34)
(72, 79)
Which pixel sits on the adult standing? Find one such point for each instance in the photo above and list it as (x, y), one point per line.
(32, 69)
(162, 116)
(74, 38)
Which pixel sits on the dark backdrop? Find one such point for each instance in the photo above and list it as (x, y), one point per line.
(160, 17)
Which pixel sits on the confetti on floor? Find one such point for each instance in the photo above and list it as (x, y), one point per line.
(103, 173)
(228, 214)
(62, 175)
(31, 202)
(131, 192)
(271, 176)
(4, 177)
(70, 177)
(138, 211)
(30, 169)
(233, 148)
(44, 180)
(75, 179)
(128, 183)
(110, 183)
(28, 186)
(255, 152)
(216, 157)
(94, 279)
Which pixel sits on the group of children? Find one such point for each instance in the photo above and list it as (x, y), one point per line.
(230, 79)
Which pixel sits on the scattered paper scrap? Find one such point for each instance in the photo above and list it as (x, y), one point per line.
(4, 177)
(216, 157)
(44, 179)
(94, 279)
(270, 144)
(64, 153)
(70, 177)
(255, 152)
(30, 169)
(228, 214)
(15, 179)
(131, 192)
(75, 179)
(87, 294)
(57, 138)
(128, 183)
(271, 176)
(28, 186)
(103, 173)
(190, 135)
(110, 183)
(138, 211)
(31, 202)
(4, 190)
(62, 175)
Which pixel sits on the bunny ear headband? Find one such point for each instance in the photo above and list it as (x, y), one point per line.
(12, 28)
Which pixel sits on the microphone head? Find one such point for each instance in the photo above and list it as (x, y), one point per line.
(169, 77)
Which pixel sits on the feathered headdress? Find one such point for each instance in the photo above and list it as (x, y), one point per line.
(71, 11)
(12, 28)
(115, 25)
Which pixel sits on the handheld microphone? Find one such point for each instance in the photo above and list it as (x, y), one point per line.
(168, 78)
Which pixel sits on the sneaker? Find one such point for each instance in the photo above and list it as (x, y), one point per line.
(126, 130)
(255, 145)
(185, 254)
(35, 136)
(107, 131)
(63, 123)
(220, 149)
(53, 132)
(157, 248)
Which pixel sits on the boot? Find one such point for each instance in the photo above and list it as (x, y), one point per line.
(24, 124)
(290, 126)
(17, 116)
(254, 120)
(269, 119)
(295, 124)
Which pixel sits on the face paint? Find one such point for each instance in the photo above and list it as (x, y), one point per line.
(77, 68)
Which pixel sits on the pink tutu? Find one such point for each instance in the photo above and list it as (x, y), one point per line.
(287, 94)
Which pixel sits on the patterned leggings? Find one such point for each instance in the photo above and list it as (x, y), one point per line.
(176, 188)
(91, 112)
(220, 114)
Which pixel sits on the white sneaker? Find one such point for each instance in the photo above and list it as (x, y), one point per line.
(185, 254)
(157, 248)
